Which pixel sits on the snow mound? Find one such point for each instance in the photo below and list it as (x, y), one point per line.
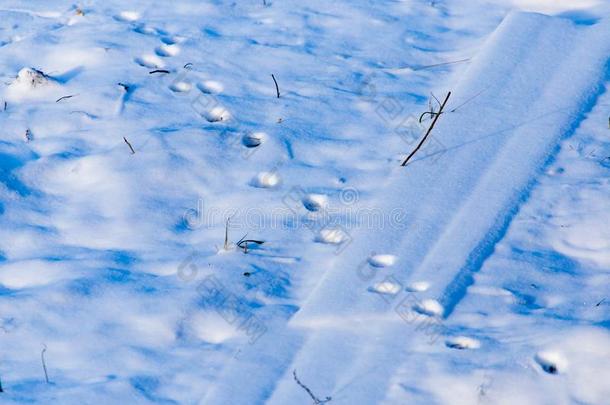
(31, 83)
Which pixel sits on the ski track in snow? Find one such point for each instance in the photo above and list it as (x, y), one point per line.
(96, 243)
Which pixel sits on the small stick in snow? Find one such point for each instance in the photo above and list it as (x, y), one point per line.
(440, 64)
(440, 111)
(158, 71)
(44, 364)
(277, 88)
(316, 400)
(64, 97)
(227, 233)
(6, 105)
(188, 65)
(28, 136)
(599, 303)
(124, 86)
(133, 152)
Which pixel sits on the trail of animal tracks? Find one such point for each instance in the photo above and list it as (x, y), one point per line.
(202, 202)
(348, 343)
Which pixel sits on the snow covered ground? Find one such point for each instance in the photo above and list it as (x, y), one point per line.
(136, 135)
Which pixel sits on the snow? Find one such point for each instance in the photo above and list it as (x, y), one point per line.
(136, 135)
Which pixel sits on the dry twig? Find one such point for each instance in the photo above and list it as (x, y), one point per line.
(436, 115)
(316, 400)
(133, 152)
(277, 88)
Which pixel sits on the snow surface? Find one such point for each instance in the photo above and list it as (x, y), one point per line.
(136, 135)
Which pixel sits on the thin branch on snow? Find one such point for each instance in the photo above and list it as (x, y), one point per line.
(65, 97)
(44, 364)
(440, 64)
(316, 400)
(277, 88)
(436, 115)
(227, 233)
(133, 152)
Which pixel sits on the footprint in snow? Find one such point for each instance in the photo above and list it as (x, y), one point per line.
(462, 343)
(211, 87)
(332, 236)
(167, 50)
(254, 139)
(382, 260)
(385, 287)
(266, 180)
(150, 61)
(172, 40)
(429, 307)
(216, 114)
(180, 87)
(315, 202)
(128, 16)
(418, 286)
(551, 362)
